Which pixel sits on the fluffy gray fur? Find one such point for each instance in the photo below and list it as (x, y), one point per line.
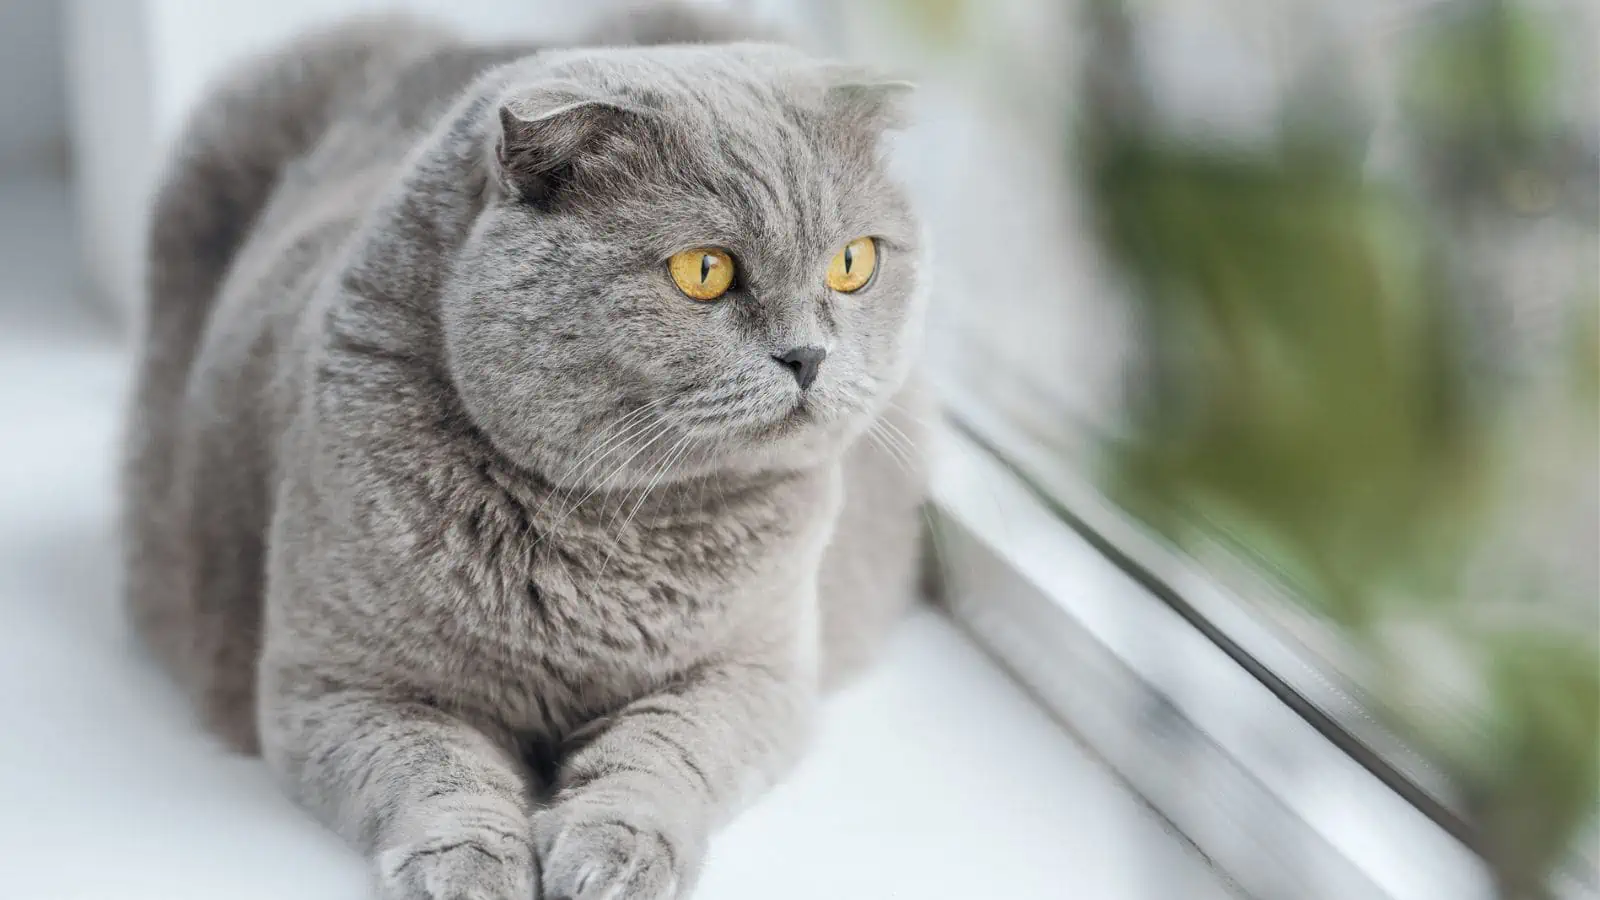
(521, 569)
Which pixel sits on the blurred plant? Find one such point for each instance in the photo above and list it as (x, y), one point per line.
(1316, 389)
(1313, 393)
(1479, 95)
(939, 22)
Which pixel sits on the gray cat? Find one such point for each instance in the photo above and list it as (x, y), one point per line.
(524, 439)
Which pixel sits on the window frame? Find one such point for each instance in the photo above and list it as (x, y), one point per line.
(1282, 798)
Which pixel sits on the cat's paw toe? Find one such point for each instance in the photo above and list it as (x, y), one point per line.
(468, 867)
(590, 857)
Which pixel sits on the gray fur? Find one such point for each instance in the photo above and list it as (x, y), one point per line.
(513, 561)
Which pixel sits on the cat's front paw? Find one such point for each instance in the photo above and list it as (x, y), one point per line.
(591, 852)
(477, 864)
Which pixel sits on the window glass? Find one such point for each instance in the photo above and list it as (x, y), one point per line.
(1311, 292)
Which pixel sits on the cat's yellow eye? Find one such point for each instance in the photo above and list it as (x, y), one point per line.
(852, 267)
(704, 273)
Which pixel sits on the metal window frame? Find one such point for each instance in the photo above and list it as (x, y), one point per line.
(1282, 799)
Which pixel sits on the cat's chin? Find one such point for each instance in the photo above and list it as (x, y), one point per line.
(805, 435)
(806, 430)
(796, 418)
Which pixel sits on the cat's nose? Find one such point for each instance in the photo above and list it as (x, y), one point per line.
(803, 362)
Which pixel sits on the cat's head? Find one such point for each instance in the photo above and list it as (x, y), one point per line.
(690, 259)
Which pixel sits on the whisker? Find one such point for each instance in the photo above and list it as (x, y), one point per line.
(618, 431)
(878, 442)
(894, 453)
(904, 440)
(629, 495)
(894, 436)
(661, 428)
(635, 417)
(936, 576)
(671, 459)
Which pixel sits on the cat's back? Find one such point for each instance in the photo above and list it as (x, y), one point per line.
(369, 138)
(379, 114)
(275, 171)
(260, 329)
(263, 324)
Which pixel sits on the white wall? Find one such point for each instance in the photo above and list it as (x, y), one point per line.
(193, 40)
(33, 118)
(113, 148)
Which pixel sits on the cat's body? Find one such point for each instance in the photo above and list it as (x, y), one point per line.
(467, 546)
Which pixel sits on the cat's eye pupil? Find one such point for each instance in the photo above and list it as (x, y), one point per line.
(706, 262)
(849, 258)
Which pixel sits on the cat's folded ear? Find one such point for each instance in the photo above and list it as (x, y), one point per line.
(869, 98)
(543, 130)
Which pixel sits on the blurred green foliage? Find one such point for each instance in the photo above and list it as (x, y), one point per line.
(1304, 371)
(938, 22)
(1479, 93)
(1310, 390)
(1310, 397)
(1536, 786)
